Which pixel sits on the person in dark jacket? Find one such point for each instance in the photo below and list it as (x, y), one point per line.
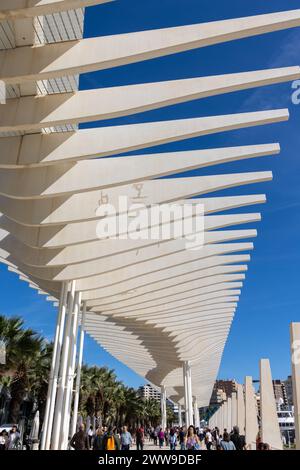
(238, 440)
(99, 440)
(80, 440)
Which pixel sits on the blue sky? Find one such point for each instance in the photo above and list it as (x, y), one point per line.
(270, 297)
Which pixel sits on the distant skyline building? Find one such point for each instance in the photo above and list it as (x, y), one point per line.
(148, 392)
(289, 390)
(222, 389)
(280, 393)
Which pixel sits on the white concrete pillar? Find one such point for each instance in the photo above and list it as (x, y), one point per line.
(78, 371)
(229, 412)
(234, 409)
(196, 414)
(65, 423)
(189, 393)
(185, 386)
(52, 385)
(219, 416)
(179, 415)
(63, 370)
(270, 431)
(241, 409)
(220, 419)
(295, 353)
(250, 415)
(163, 406)
(225, 416)
(188, 397)
(73, 361)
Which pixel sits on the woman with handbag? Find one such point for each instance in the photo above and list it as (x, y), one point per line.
(192, 440)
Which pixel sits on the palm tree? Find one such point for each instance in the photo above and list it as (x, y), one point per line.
(22, 347)
(38, 376)
(98, 387)
(152, 411)
(171, 418)
(27, 369)
(133, 407)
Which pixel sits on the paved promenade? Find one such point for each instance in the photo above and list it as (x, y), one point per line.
(150, 446)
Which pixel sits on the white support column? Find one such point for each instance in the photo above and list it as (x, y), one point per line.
(78, 371)
(295, 352)
(225, 416)
(65, 424)
(51, 394)
(73, 362)
(251, 415)
(222, 418)
(216, 418)
(234, 409)
(163, 406)
(270, 431)
(219, 421)
(196, 414)
(179, 415)
(229, 412)
(241, 409)
(189, 393)
(63, 371)
(185, 387)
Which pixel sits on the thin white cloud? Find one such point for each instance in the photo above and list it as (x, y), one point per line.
(287, 55)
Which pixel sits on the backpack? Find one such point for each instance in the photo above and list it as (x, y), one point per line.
(110, 443)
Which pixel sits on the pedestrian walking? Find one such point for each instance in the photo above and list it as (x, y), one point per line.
(126, 439)
(192, 440)
(3, 440)
(80, 440)
(226, 443)
(182, 438)
(13, 439)
(140, 438)
(91, 436)
(155, 436)
(161, 438)
(208, 439)
(167, 435)
(173, 439)
(238, 440)
(111, 440)
(98, 443)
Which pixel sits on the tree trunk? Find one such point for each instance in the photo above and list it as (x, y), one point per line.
(17, 392)
(14, 410)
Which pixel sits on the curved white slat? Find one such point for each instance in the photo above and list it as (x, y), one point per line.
(17, 9)
(91, 54)
(103, 248)
(59, 211)
(60, 147)
(60, 180)
(32, 113)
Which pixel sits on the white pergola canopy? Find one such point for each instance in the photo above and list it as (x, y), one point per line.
(154, 305)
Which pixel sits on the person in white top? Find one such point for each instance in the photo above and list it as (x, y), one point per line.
(90, 436)
(13, 439)
(3, 440)
(208, 439)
